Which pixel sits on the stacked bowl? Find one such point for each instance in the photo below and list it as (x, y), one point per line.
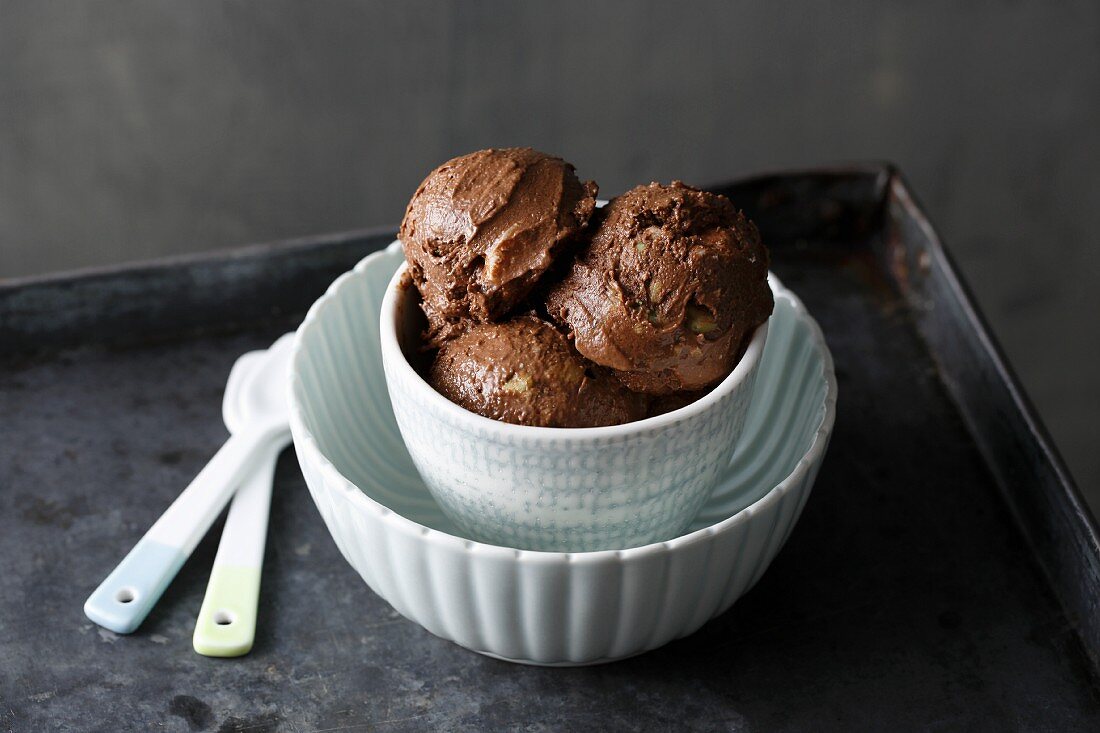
(668, 521)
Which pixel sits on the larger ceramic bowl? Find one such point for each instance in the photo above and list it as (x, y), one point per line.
(560, 489)
(544, 607)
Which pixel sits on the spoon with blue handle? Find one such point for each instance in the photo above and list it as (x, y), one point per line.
(124, 599)
(226, 625)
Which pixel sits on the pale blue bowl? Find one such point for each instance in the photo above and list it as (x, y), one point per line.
(547, 608)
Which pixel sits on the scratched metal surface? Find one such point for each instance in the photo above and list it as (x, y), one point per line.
(906, 598)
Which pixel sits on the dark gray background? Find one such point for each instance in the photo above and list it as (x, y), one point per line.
(131, 130)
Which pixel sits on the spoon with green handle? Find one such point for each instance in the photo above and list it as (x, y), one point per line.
(124, 599)
(226, 625)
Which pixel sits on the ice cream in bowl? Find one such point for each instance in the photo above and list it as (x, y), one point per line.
(566, 377)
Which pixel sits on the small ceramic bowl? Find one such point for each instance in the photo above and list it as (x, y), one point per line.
(560, 489)
(545, 608)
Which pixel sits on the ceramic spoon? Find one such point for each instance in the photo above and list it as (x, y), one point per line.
(226, 625)
(124, 599)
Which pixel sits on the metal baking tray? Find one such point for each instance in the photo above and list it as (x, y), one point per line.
(961, 590)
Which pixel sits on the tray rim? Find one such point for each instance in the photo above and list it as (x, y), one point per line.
(1073, 576)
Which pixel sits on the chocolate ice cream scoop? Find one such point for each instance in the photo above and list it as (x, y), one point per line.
(665, 294)
(524, 371)
(660, 404)
(481, 229)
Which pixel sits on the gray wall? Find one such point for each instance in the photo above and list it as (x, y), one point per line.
(131, 130)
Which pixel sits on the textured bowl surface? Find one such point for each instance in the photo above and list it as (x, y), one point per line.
(566, 490)
(545, 607)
